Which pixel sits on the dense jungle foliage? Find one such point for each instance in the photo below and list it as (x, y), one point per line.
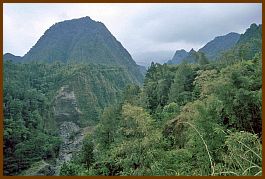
(198, 118)
(187, 119)
(30, 129)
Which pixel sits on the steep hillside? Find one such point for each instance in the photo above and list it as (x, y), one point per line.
(82, 41)
(178, 57)
(248, 45)
(9, 56)
(142, 69)
(253, 32)
(39, 97)
(212, 50)
(188, 119)
(76, 106)
(195, 57)
(219, 44)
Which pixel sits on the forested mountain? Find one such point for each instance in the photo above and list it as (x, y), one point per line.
(73, 117)
(82, 40)
(212, 50)
(195, 57)
(9, 56)
(75, 70)
(248, 45)
(33, 106)
(178, 57)
(253, 32)
(220, 44)
(187, 119)
(142, 69)
(181, 56)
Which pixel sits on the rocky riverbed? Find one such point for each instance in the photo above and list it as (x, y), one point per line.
(72, 137)
(66, 114)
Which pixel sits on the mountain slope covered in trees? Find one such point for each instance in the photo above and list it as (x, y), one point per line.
(200, 117)
(75, 70)
(220, 44)
(9, 56)
(187, 119)
(178, 57)
(249, 44)
(82, 40)
(212, 50)
(195, 57)
(30, 104)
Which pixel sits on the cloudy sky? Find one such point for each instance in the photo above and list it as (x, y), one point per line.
(150, 32)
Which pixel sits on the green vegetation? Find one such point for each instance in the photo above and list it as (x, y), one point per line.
(187, 119)
(200, 117)
(82, 40)
(219, 45)
(31, 131)
(212, 50)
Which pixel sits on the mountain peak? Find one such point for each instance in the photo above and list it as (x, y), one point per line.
(219, 44)
(76, 23)
(81, 40)
(253, 32)
(86, 17)
(10, 56)
(76, 40)
(192, 50)
(253, 25)
(178, 56)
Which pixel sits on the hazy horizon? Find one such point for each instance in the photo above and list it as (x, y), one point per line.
(150, 32)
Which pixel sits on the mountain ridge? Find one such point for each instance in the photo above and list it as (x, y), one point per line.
(82, 40)
(212, 50)
(219, 44)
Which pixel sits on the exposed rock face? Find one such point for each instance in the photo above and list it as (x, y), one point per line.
(67, 115)
(65, 108)
(72, 137)
(68, 132)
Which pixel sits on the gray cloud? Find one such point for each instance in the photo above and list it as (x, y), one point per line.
(150, 32)
(195, 24)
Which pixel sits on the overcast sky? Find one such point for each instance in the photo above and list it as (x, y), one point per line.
(150, 32)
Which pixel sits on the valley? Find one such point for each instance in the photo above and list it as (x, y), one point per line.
(77, 104)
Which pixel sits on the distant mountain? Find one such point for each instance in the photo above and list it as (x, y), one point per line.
(219, 44)
(181, 56)
(9, 56)
(191, 57)
(142, 69)
(145, 58)
(212, 50)
(195, 57)
(178, 57)
(74, 71)
(248, 45)
(82, 40)
(254, 32)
